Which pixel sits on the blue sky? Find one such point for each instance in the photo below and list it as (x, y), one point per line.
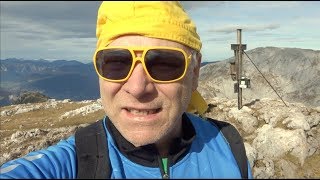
(66, 29)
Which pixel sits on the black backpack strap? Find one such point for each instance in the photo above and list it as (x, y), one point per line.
(92, 152)
(236, 144)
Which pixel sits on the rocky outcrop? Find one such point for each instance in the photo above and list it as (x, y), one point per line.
(29, 97)
(279, 140)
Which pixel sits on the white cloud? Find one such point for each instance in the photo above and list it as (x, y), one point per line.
(270, 4)
(256, 27)
(191, 5)
(61, 17)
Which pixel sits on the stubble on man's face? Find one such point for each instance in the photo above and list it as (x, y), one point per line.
(145, 112)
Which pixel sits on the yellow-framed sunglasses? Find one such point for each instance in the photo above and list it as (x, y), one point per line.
(161, 64)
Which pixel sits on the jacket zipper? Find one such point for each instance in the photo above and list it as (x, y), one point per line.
(164, 167)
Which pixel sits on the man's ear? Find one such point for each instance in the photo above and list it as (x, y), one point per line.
(196, 69)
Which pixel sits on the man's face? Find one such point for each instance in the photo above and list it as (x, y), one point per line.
(143, 111)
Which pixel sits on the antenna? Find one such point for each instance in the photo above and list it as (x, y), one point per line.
(236, 68)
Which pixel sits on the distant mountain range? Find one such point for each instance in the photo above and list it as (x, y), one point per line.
(58, 79)
(293, 72)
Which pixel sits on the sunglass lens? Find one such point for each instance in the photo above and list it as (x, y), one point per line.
(165, 64)
(114, 64)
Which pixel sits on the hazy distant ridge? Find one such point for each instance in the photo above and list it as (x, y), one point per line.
(58, 79)
(293, 72)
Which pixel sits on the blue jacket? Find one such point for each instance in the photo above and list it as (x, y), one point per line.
(208, 155)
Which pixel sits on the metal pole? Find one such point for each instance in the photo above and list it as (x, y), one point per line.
(239, 73)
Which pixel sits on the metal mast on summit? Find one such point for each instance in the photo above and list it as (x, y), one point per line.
(236, 68)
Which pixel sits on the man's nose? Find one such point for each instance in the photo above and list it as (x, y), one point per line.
(138, 84)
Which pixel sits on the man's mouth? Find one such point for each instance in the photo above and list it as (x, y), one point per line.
(142, 112)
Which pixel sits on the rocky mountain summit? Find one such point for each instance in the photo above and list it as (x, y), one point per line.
(294, 73)
(280, 141)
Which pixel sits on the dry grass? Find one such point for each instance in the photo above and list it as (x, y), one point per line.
(45, 118)
(311, 167)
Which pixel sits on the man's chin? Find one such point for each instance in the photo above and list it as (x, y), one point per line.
(143, 139)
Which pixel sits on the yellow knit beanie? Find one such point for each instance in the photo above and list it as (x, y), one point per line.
(156, 19)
